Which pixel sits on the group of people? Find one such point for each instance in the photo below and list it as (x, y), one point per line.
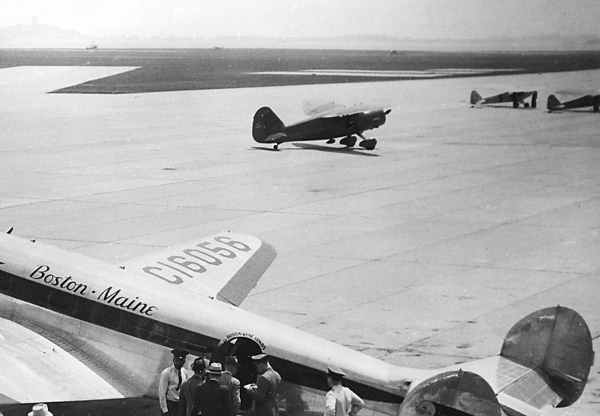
(213, 389)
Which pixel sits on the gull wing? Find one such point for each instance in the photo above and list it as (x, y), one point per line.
(225, 266)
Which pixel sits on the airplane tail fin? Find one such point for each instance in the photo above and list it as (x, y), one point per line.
(265, 123)
(545, 361)
(475, 97)
(553, 102)
(557, 342)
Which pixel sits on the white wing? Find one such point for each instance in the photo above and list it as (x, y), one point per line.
(225, 266)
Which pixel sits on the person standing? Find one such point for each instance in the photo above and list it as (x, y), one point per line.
(212, 399)
(231, 383)
(340, 400)
(264, 392)
(187, 397)
(169, 383)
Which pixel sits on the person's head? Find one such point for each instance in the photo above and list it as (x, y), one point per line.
(261, 362)
(334, 376)
(214, 371)
(231, 364)
(199, 365)
(178, 357)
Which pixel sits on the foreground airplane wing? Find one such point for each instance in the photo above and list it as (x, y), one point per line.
(225, 266)
(30, 359)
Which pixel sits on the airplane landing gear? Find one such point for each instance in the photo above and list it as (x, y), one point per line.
(368, 144)
(330, 141)
(276, 146)
(349, 141)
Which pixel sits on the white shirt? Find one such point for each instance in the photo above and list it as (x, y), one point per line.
(339, 401)
(168, 385)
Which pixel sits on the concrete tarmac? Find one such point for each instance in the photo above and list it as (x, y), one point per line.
(423, 252)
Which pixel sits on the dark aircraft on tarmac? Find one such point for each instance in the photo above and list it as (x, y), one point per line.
(514, 97)
(342, 122)
(586, 101)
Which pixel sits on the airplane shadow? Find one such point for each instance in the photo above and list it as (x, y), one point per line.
(344, 150)
(270, 149)
(587, 110)
(501, 106)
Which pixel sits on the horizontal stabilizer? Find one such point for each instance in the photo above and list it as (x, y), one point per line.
(276, 138)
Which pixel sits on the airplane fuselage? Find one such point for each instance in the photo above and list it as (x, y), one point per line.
(106, 301)
(324, 128)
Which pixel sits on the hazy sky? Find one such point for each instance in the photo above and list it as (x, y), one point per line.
(308, 18)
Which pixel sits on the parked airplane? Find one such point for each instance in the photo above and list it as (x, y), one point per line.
(586, 101)
(514, 97)
(82, 329)
(346, 122)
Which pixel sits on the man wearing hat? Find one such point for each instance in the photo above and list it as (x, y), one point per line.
(231, 383)
(340, 400)
(170, 381)
(211, 398)
(40, 409)
(265, 390)
(187, 398)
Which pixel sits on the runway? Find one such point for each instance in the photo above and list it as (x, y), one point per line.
(423, 252)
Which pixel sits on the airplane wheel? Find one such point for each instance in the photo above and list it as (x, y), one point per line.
(348, 141)
(515, 104)
(526, 105)
(276, 147)
(368, 144)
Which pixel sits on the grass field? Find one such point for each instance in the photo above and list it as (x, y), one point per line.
(196, 69)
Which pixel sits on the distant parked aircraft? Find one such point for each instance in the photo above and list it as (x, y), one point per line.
(586, 101)
(338, 121)
(514, 97)
(91, 47)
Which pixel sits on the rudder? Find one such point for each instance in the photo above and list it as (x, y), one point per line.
(553, 102)
(475, 97)
(557, 341)
(265, 123)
